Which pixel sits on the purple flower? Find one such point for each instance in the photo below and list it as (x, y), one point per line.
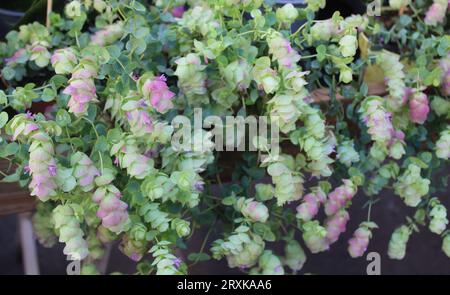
(27, 169)
(243, 267)
(177, 262)
(178, 11)
(30, 115)
(52, 170)
(199, 186)
(278, 269)
(150, 153)
(135, 76)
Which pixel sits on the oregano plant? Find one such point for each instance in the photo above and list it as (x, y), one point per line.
(99, 119)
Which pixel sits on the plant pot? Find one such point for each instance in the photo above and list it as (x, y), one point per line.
(13, 198)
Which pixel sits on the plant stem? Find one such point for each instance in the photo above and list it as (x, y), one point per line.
(204, 242)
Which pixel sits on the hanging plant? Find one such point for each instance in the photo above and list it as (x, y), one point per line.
(95, 108)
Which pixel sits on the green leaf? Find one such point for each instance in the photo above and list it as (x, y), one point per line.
(426, 157)
(12, 178)
(141, 32)
(114, 51)
(229, 201)
(3, 119)
(3, 98)
(48, 94)
(444, 46)
(101, 144)
(321, 52)
(114, 135)
(58, 81)
(264, 231)
(10, 149)
(138, 6)
(8, 73)
(149, 236)
(364, 89)
(63, 118)
(433, 78)
(198, 257)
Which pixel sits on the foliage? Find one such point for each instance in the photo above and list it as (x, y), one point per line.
(114, 74)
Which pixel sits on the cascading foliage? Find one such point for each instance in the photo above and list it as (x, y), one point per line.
(88, 107)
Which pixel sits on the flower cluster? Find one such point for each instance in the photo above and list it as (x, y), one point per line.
(325, 30)
(398, 241)
(64, 60)
(295, 257)
(283, 107)
(335, 225)
(116, 154)
(37, 38)
(443, 144)
(268, 264)
(81, 87)
(380, 128)
(288, 183)
(108, 35)
(128, 156)
(446, 245)
(200, 19)
(165, 262)
(42, 164)
(67, 223)
(315, 140)
(287, 14)
(394, 77)
(410, 186)
(339, 197)
(282, 51)
(397, 4)
(242, 249)
(445, 67)
(133, 243)
(315, 236)
(438, 215)
(84, 170)
(418, 107)
(181, 227)
(192, 78)
(346, 153)
(138, 115)
(254, 210)
(309, 208)
(265, 77)
(357, 245)
(112, 210)
(158, 93)
(436, 13)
